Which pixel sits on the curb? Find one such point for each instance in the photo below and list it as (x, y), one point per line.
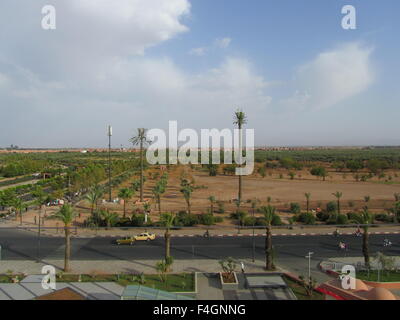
(221, 235)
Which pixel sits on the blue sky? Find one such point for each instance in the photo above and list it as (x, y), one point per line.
(289, 65)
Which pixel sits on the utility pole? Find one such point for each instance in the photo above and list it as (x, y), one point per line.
(109, 133)
(309, 265)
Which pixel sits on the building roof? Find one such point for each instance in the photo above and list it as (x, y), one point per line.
(62, 294)
(136, 292)
(362, 291)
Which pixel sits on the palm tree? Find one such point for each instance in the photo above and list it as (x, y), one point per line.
(308, 196)
(187, 188)
(93, 198)
(366, 200)
(269, 213)
(66, 214)
(40, 200)
(240, 120)
(19, 205)
(158, 191)
(366, 219)
(338, 195)
(167, 221)
(125, 194)
(141, 140)
(212, 202)
(109, 218)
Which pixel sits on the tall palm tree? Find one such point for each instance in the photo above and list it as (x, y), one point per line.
(338, 195)
(141, 140)
(308, 197)
(167, 221)
(66, 214)
(269, 213)
(125, 194)
(93, 198)
(366, 219)
(239, 120)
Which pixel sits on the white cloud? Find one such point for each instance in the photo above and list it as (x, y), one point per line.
(332, 77)
(223, 43)
(198, 51)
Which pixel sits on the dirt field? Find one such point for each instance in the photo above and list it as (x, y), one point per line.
(282, 191)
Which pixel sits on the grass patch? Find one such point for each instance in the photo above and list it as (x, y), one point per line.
(5, 278)
(391, 276)
(300, 292)
(181, 282)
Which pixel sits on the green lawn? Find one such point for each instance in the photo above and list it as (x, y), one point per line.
(391, 276)
(300, 292)
(182, 282)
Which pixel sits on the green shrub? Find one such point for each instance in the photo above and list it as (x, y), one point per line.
(294, 208)
(352, 216)
(383, 217)
(185, 219)
(221, 206)
(342, 219)
(322, 216)
(276, 220)
(307, 218)
(331, 207)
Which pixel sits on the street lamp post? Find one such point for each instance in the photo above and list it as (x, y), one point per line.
(309, 265)
(254, 243)
(109, 133)
(38, 248)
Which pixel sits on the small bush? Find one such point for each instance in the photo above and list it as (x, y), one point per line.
(322, 216)
(221, 207)
(307, 218)
(276, 221)
(352, 216)
(342, 219)
(331, 207)
(295, 208)
(383, 217)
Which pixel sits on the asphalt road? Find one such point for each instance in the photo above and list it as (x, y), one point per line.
(23, 245)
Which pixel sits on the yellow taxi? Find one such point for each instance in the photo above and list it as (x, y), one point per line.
(126, 240)
(145, 236)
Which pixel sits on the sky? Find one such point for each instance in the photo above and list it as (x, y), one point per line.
(289, 65)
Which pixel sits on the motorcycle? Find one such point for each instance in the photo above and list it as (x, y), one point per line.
(387, 243)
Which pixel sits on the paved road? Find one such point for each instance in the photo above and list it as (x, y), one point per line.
(23, 245)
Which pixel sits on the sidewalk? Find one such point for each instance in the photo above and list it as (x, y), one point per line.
(123, 266)
(336, 264)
